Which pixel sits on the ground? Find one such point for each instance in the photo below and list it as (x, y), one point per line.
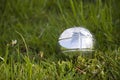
(29, 33)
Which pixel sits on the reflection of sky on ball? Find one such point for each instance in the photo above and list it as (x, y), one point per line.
(76, 38)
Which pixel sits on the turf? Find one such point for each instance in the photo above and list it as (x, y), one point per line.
(29, 33)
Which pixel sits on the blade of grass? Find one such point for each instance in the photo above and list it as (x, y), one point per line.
(26, 47)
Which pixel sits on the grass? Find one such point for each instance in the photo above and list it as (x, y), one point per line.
(37, 25)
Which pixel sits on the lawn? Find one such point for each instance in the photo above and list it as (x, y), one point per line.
(29, 33)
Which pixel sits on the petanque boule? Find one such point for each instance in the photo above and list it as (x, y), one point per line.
(76, 39)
